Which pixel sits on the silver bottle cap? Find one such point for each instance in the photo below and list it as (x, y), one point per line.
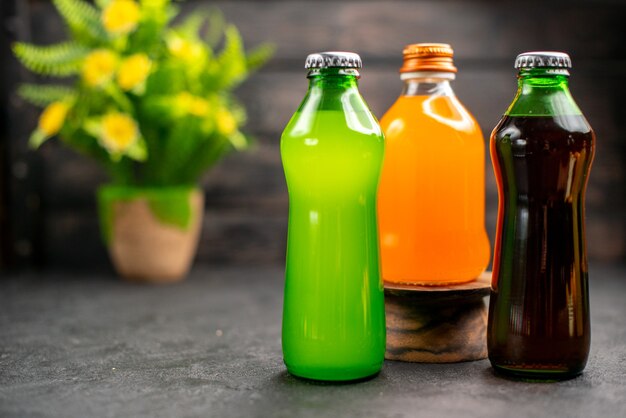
(549, 59)
(333, 59)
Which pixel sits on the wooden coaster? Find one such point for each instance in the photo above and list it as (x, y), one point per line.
(437, 324)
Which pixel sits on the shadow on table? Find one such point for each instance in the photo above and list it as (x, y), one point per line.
(492, 374)
(285, 378)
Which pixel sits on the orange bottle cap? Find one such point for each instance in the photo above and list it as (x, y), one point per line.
(428, 57)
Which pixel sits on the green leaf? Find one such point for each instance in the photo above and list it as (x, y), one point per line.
(92, 127)
(55, 60)
(102, 3)
(172, 206)
(230, 68)
(190, 27)
(138, 151)
(43, 95)
(209, 151)
(155, 4)
(37, 138)
(83, 19)
(206, 24)
(215, 28)
(148, 37)
(238, 141)
(181, 143)
(119, 97)
(160, 12)
(159, 110)
(259, 56)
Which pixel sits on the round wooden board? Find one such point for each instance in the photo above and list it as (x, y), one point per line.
(473, 290)
(437, 324)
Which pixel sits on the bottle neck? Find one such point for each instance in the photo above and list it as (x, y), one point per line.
(333, 89)
(333, 97)
(427, 83)
(333, 78)
(543, 92)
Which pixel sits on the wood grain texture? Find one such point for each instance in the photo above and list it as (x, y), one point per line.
(437, 324)
(445, 332)
(246, 196)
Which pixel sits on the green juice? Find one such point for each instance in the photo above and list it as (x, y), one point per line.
(332, 151)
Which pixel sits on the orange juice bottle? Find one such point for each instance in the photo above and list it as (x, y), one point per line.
(431, 198)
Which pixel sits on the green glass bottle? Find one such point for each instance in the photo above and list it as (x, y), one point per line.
(541, 151)
(332, 152)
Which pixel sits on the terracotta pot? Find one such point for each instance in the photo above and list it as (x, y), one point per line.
(152, 234)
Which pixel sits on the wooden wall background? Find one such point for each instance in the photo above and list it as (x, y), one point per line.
(48, 212)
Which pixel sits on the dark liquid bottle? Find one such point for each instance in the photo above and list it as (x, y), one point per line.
(541, 151)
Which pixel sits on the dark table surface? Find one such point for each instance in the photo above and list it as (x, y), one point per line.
(94, 346)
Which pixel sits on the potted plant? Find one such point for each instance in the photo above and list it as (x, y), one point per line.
(152, 103)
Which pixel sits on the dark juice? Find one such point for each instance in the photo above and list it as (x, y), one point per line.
(539, 307)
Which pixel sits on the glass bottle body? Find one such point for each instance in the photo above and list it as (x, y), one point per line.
(542, 151)
(432, 192)
(332, 150)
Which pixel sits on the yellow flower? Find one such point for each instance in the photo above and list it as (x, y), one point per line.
(99, 67)
(183, 48)
(194, 105)
(133, 71)
(199, 106)
(52, 118)
(183, 101)
(121, 16)
(226, 123)
(118, 132)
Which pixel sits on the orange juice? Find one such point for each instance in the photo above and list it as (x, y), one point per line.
(431, 199)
